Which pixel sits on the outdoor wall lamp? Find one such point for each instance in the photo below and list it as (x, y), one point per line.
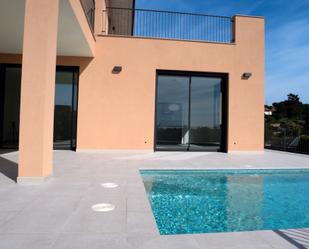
(246, 76)
(117, 69)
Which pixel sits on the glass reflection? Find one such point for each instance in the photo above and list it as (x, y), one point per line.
(65, 116)
(205, 116)
(10, 107)
(189, 113)
(65, 110)
(172, 112)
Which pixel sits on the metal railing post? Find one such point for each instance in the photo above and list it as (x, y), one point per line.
(89, 10)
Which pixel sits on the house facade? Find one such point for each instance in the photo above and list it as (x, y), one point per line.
(103, 75)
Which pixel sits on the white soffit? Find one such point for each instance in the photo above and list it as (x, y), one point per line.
(71, 39)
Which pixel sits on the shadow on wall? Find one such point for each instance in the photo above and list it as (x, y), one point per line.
(297, 237)
(8, 168)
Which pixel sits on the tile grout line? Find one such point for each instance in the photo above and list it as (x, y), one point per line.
(66, 222)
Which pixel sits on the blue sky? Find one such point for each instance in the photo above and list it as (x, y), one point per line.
(287, 38)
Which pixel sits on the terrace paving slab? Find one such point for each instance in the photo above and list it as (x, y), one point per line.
(57, 214)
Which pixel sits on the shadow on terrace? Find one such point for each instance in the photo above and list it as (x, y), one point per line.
(8, 169)
(297, 237)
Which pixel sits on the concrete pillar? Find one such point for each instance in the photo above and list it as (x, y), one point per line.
(38, 90)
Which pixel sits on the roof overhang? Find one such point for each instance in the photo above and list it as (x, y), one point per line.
(75, 37)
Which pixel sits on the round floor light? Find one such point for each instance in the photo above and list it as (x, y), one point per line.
(249, 166)
(103, 207)
(109, 185)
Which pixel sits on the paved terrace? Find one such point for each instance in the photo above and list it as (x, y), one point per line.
(58, 214)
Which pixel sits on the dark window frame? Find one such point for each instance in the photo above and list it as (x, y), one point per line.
(224, 108)
(74, 69)
(3, 67)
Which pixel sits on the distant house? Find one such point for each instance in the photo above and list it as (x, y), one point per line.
(268, 111)
(277, 125)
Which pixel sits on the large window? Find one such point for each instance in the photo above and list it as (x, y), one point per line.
(10, 77)
(191, 112)
(65, 116)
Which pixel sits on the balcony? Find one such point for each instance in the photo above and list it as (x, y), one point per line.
(89, 9)
(168, 25)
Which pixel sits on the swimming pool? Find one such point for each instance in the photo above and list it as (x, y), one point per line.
(207, 201)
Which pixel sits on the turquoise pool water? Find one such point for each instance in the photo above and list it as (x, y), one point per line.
(206, 201)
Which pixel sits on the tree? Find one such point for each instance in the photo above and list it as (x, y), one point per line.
(306, 114)
(290, 120)
(293, 98)
(291, 108)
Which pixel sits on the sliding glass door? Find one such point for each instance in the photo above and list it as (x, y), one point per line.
(65, 115)
(190, 113)
(172, 112)
(10, 77)
(205, 113)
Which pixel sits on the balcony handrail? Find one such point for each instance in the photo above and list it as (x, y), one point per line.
(164, 24)
(170, 12)
(89, 10)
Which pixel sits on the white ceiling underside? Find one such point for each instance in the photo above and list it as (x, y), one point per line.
(71, 39)
(11, 25)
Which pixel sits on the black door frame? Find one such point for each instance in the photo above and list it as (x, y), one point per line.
(73, 69)
(3, 67)
(224, 90)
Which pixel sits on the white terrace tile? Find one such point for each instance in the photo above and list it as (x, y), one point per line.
(27, 241)
(90, 241)
(58, 214)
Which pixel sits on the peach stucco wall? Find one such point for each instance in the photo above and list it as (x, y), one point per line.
(116, 111)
